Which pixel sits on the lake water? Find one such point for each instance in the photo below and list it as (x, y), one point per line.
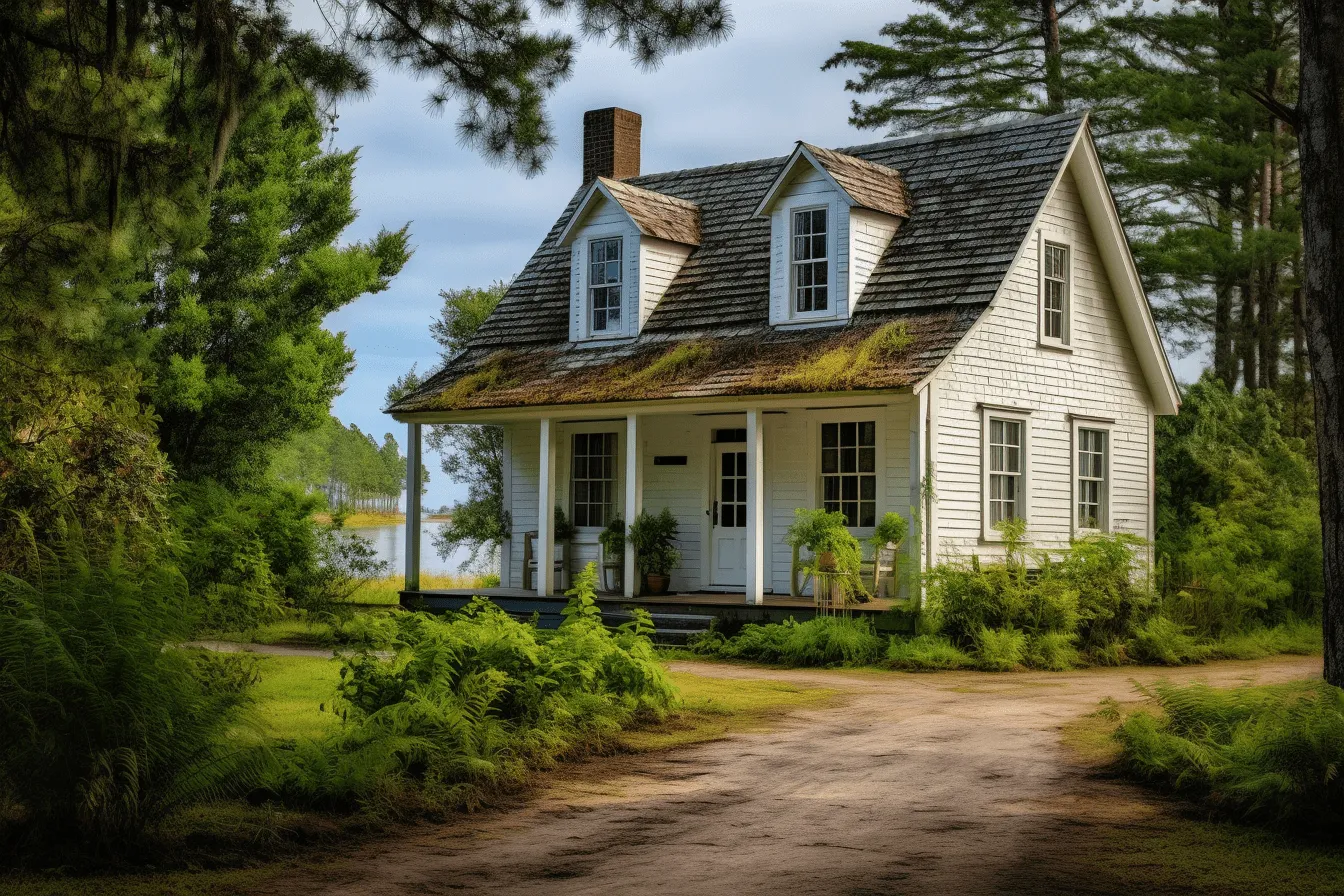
(390, 544)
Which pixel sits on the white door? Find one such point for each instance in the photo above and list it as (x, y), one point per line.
(728, 541)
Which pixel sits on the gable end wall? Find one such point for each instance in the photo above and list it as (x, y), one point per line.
(1000, 362)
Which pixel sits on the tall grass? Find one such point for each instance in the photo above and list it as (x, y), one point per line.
(105, 726)
(1267, 754)
(822, 641)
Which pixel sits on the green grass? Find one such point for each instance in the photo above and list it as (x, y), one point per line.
(1168, 851)
(712, 708)
(291, 693)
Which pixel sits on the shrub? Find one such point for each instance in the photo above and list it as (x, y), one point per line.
(822, 641)
(1053, 651)
(1100, 569)
(1164, 642)
(926, 653)
(1267, 754)
(999, 650)
(472, 702)
(108, 726)
(1297, 637)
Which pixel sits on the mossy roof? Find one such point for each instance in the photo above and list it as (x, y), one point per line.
(972, 198)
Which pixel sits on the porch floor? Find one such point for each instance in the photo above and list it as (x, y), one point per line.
(675, 616)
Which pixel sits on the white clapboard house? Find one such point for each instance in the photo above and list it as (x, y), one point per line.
(949, 326)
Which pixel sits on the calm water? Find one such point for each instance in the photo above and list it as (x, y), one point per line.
(390, 543)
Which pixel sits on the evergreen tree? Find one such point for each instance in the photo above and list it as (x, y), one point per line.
(965, 60)
(241, 358)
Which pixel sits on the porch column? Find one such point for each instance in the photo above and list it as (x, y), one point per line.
(755, 509)
(412, 506)
(634, 498)
(546, 511)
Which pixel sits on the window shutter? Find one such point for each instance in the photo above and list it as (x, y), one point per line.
(779, 267)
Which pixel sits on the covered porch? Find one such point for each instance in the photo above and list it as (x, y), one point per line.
(731, 471)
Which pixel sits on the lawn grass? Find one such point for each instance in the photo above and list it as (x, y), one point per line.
(712, 708)
(1174, 851)
(292, 693)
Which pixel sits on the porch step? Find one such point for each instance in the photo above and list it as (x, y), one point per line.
(668, 628)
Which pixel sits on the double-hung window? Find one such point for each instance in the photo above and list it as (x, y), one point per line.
(604, 285)
(593, 479)
(1055, 293)
(810, 269)
(1092, 471)
(1005, 438)
(849, 471)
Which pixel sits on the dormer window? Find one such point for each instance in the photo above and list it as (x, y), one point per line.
(604, 285)
(832, 217)
(811, 268)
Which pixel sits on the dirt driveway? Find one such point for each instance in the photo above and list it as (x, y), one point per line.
(947, 783)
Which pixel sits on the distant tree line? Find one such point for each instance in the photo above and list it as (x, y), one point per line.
(346, 464)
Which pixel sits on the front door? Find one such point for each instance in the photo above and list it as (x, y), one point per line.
(728, 542)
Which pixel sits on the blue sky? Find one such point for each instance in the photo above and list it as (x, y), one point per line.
(749, 97)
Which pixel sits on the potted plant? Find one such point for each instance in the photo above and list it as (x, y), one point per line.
(653, 538)
(886, 540)
(612, 540)
(835, 552)
(564, 534)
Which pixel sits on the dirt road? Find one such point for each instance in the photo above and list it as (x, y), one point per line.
(947, 783)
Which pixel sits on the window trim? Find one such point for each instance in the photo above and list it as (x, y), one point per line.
(875, 415)
(588, 287)
(569, 431)
(1065, 341)
(988, 413)
(831, 310)
(1078, 424)
(832, 313)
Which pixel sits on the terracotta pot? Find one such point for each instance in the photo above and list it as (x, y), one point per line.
(656, 584)
(826, 560)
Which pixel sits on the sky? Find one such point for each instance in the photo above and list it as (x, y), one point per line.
(751, 96)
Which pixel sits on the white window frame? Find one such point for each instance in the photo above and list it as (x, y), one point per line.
(1015, 415)
(564, 496)
(589, 286)
(1104, 520)
(832, 309)
(1045, 240)
(874, 415)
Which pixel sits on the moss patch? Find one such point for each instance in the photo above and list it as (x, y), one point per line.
(845, 366)
(494, 374)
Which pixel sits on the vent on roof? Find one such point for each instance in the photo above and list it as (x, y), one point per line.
(610, 143)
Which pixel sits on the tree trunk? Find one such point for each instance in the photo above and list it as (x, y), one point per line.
(1248, 345)
(1054, 61)
(1224, 358)
(1321, 144)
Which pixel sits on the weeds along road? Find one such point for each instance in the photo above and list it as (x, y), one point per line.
(942, 783)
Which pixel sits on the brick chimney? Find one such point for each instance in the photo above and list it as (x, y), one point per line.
(610, 143)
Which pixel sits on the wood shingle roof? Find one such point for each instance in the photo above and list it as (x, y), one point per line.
(970, 196)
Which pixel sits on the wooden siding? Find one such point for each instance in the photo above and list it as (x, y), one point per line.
(1000, 362)
(659, 262)
(523, 466)
(870, 234)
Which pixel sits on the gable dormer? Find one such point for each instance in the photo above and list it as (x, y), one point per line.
(832, 217)
(626, 245)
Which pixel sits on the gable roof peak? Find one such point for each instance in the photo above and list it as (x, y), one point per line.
(863, 183)
(654, 214)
